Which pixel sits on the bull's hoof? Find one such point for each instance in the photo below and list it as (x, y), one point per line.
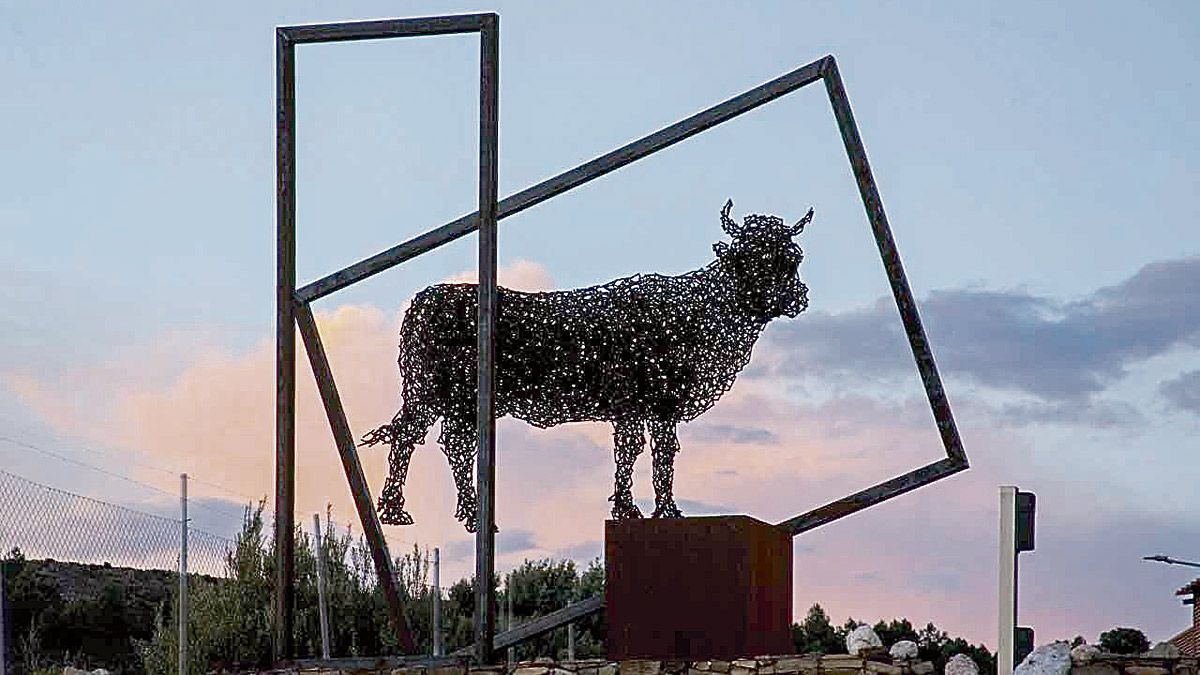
(668, 510)
(626, 511)
(395, 516)
(473, 527)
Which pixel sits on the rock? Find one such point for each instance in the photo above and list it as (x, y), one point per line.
(961, 664)
(1084, 654)
(884, 668)
(1051, 659)
(608, 669)
(796, 664)
(640, 667)
(861, 639)
(904, 650)
(1096, 668)
(1146, 670)
(829, 661)
(743, 667)
(922, 668)
(1164, 650)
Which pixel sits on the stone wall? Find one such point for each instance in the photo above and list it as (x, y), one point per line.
(1113, 664)
(810, 664)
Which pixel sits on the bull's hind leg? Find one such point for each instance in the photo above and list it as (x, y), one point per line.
(664, 444)
(459, 442)
(406, 431)
(629, 438)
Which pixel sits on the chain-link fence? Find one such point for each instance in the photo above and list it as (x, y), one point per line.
(48, 523)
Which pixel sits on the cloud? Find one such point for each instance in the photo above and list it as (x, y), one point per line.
(1183, 392)
(731, 433)
(1062, 352)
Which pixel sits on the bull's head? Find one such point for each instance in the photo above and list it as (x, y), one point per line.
(764, 263)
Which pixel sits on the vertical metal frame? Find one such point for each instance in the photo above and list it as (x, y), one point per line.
(489, 213)
(293, 312)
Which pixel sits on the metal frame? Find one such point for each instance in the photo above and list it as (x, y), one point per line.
(485, 218)
(293, 310)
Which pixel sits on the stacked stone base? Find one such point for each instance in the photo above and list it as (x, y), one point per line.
(809, 664)
(1112, 664)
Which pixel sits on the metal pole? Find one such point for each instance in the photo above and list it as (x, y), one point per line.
(372, 529)
(438, 650)
(485, 538)
(322, 604)
(508, 614)
(570, 642)
(183, 572)
(1007, 591)
(285, 341)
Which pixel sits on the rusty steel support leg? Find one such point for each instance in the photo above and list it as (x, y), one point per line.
(354, 475)
(285, 342)
(485, 536)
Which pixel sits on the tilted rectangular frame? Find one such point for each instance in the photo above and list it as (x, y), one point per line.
(294, 302)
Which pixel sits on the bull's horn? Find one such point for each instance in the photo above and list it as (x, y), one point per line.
(799, 226)
(729, 224)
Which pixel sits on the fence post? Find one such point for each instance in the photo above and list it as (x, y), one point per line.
(508, 621)
(3, 622)
(319, 543)
(183, 572)
(437, 604)
(570, 642)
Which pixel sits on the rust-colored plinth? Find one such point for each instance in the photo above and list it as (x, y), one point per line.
(697, 588)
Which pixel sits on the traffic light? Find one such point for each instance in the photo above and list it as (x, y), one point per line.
(1026, 507)
(1022, 643)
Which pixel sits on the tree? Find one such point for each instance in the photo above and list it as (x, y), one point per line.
(1124, 641)
(817, 635)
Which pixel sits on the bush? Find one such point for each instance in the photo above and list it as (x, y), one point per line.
(1124, 641)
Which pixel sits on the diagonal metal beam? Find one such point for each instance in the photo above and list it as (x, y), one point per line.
(901, 291)
(543, 624)
(568, 180)
(354, 474)
(862, 499)
(939, 405)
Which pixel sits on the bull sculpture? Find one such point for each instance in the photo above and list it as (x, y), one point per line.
(644, 352)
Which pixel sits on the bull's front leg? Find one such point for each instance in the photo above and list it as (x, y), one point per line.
(629, 438)
(664, 444)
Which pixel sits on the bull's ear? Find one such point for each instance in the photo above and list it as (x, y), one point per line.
(799, 226)
(729, 224)
(720, 248)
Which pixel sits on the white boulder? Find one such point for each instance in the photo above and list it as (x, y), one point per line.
(961, 664)
(1051, 659)
(1084, 654)
(904, 650)
(862, 638)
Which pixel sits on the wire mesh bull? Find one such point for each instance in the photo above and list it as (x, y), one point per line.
(644, 352)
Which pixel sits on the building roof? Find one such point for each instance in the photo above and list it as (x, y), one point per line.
(1191, 589)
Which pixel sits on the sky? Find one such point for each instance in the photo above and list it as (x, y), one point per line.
(1039, 164)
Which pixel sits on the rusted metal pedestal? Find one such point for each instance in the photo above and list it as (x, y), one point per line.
(715, 587)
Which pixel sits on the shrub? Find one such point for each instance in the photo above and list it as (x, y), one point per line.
(1124, 641)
